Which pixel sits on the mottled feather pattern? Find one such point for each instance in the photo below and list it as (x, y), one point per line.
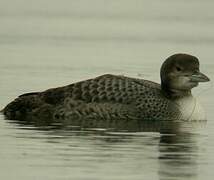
(104, 97)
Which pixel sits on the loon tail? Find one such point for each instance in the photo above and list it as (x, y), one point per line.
(29, 94)
(28, 106)
(19, 107)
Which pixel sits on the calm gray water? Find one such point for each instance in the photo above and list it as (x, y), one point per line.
(48, 43)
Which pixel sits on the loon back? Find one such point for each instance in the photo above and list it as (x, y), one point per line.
(105, 97)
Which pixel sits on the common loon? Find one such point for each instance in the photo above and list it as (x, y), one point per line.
(112, 96)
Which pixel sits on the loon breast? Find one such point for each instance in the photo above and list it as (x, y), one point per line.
(190, 109)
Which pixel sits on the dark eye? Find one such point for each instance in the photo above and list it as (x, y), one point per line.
(178, 68)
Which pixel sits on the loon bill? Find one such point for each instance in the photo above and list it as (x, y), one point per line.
(111, 96)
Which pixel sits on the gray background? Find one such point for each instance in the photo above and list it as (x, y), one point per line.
(46, 43)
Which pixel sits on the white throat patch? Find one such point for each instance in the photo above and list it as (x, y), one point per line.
(190, 109)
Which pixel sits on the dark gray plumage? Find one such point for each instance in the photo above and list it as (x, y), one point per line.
(110, 97)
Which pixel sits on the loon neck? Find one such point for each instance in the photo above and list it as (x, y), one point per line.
(175, 93)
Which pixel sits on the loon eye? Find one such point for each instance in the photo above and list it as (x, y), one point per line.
(178, 68)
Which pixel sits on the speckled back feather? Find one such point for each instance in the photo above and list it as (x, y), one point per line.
(104, 97)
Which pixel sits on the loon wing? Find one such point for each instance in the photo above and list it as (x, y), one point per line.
(103, 93)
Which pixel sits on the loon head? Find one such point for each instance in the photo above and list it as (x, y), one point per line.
(179, 74)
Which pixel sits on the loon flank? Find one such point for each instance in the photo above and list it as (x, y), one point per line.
(112, 96)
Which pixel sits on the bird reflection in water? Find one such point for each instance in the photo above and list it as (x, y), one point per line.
(177, 144)
(178, 152)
